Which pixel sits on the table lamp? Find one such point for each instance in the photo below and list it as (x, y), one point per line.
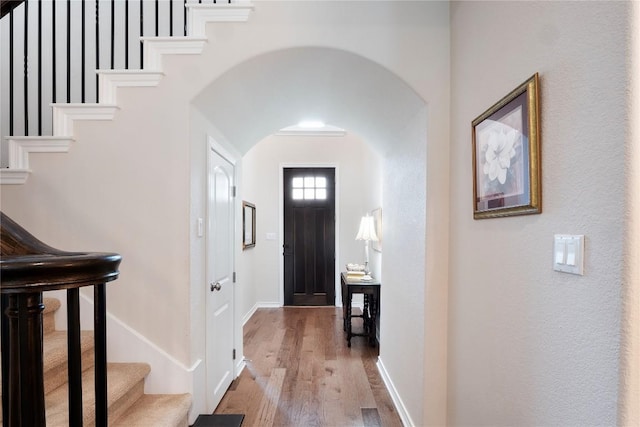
(367, 232)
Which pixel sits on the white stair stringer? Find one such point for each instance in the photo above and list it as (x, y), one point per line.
(19, 149)
(155, 48)
(65, 114)
(13, 176)
(21, 146)
(110, 80)
(199, 15)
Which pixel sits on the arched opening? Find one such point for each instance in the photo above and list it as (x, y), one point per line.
(271, 91)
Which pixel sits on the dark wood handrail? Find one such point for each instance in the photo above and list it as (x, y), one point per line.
(31, 273)
(27, 268)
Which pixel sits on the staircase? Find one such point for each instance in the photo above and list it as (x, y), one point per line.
(60, 137)
(128, 405)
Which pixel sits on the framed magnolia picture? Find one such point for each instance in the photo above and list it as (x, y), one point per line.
(506, 155)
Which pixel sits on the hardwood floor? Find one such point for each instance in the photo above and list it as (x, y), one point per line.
(300, 372)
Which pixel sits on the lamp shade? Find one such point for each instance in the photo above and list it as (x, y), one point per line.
(367, 230)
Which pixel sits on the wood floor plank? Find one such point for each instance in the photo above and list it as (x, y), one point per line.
(386, 408)
(300, 372)
(269, 403)
(331, 394)
(248, 386)
(371, 418)
(361, 383)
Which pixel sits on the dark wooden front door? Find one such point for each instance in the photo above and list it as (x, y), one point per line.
(309, 236)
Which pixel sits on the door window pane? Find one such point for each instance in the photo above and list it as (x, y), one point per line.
(297, 194)
(309, 194)
(309, 188)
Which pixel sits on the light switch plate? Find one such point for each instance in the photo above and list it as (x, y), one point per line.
(568, 253)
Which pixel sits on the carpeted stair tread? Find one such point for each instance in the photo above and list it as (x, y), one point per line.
(157, 410)
(55, 347)
(122, 377)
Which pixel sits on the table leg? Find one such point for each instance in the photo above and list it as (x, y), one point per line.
(348, 320)
(344, 316)
(365, 314)
(372, 319)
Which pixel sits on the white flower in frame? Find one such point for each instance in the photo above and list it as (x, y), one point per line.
(501, 143)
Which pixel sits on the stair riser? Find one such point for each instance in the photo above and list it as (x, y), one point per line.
(118, 407)
(184, 422)
(48, 316)
(48, 322)
(58, 375)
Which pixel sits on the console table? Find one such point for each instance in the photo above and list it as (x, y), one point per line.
(371, 291)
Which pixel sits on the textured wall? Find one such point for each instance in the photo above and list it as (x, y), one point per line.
(527, 345)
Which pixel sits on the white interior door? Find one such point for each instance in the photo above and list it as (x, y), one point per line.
(219, 287)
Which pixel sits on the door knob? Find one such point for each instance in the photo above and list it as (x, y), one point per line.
(215, 287)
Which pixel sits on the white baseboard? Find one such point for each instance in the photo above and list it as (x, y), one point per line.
(397, 401)
(250, 313)
(240, 365)
(256, 306)
(269, 305)
(198, 393)
(167, 375)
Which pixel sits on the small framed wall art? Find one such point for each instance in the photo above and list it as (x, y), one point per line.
(248, 225)
(506, 155)
(377, 223)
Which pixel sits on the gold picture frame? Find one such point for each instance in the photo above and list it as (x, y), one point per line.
(248, 225)
(506, 155)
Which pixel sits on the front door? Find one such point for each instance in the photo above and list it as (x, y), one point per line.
(309, 236)
(219, 286)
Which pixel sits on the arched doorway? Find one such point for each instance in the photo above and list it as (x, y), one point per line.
(268, 92)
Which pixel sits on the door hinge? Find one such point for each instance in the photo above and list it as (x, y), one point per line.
(234, 354)
(233, 191)
(234, 277)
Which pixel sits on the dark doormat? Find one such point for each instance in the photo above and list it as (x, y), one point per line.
(219, 420)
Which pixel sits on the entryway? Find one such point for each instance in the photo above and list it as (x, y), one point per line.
(309, 236)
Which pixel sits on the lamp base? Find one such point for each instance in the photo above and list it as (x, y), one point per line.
(366, 258)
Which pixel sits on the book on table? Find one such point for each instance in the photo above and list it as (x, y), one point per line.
(355, 275)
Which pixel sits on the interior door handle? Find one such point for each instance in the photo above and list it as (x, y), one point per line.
(215, 287)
